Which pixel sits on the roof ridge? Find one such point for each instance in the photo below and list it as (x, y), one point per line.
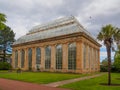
(54, 23)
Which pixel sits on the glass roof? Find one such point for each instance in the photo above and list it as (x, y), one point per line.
(55, 28)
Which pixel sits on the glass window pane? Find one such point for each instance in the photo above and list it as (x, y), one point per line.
(84, 53)
(30, 58)
(22, 58)
(59, 57)
(72, 56)
(38, 58)
(47, 57)
(16, 59)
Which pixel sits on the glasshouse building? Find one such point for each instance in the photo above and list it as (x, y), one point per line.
(62, 45)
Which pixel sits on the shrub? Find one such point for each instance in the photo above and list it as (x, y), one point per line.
(5, 66)
(18, 70)
(103, 68)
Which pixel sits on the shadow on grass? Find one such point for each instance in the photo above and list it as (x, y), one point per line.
(106, 84)
(118, 78)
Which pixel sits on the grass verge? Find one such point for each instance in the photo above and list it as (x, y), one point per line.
(40, 77)
(94, 83)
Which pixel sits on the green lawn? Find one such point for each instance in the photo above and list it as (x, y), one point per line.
(94, 83)
(40, 77)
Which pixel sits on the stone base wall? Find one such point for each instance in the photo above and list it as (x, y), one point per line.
(92, 63)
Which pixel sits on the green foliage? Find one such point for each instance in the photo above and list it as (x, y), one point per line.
(103, 68)
(117, 62)
(5, 66)
(18, 70)
(94, 83)
(7, 35)
(104, 65)
(107, 32)
(104, 62)
(2, 21)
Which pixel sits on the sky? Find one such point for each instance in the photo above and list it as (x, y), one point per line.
(22, 15)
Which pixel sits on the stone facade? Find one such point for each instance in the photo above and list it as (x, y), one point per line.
(87, 50)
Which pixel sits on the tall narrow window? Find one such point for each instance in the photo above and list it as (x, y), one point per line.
(30, 59)
(59, 57)
(84, 53)
(22, 58)
(91, 58)
(72, 56)
(16, 59)
(47, 57)
(38, 58)
(89, 55)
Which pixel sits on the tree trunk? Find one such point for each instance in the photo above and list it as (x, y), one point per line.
(4, 56)
(109, 64)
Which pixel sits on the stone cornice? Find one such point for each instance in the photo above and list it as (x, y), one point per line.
(77, 35)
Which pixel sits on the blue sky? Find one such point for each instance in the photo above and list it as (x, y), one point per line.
(22, 15)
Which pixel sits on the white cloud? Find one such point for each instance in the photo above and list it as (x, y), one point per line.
(49, 3)
(95, 10)
(101, 7)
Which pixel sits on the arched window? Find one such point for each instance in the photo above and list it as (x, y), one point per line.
(16, 59)
(22, 58)
(38, 58)
(72, 56)
(59, 57)
(92, 58)
(84, 53)
(89, 55)
(47, 57)
(29, 58)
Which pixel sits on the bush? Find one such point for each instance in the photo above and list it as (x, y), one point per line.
(5, 66)
(103, 68)
(117, 63)
(18, 70)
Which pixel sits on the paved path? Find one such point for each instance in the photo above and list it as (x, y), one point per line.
(6, 84)
(60, 83)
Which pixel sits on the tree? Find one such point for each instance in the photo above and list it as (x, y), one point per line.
(2, 21)
(107, 36)
(6, 35)
(117, 38)
(104, 62)
(104, 65)
(117, 61)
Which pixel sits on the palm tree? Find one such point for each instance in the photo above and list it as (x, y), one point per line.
(107, 36)
(2, 21)
(117, 37)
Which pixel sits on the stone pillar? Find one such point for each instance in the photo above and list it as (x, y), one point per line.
(65, 57)
(19, 58)
(42, 66)
(98, 60)
(92, 59)
(26, 59)
(79, 57)
(53, 62)
(33, 58)
(87, 59)
(13, 59)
